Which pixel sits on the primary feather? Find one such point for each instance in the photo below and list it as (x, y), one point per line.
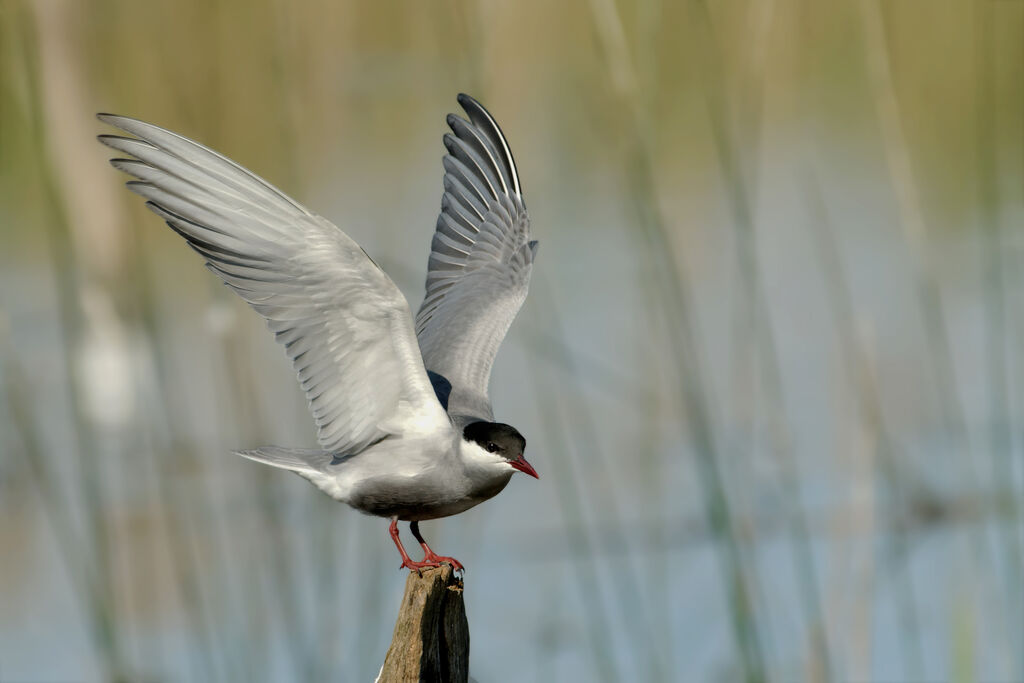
(479, 266)
(343, 323)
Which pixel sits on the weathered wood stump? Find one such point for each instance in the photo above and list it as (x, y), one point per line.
(431, 639)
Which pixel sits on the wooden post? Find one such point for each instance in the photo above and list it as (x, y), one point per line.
(431, 639)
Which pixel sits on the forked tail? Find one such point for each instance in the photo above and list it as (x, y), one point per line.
(301, 460)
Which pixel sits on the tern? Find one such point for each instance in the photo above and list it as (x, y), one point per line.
(401, 405)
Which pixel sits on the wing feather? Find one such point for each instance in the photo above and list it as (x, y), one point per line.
(343, 323)
(480, 261)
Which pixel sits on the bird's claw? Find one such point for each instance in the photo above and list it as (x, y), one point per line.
(431, 562)
(438, 560)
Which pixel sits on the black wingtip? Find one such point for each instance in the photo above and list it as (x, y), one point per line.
(109, 119)
(449, 142)
(111, 140)
(470, 104)
(105, 138)
(119, 163)
(119, 121)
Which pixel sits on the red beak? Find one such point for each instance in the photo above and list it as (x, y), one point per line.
(525, 467)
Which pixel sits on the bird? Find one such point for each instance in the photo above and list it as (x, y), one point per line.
(403, 416)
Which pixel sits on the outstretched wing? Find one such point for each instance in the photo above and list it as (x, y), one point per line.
(344, 324)
(480, 260)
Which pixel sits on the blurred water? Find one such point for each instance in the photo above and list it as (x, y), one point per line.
(522, 568)
(872, 473)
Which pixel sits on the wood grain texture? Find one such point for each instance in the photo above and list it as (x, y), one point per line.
(431, 638)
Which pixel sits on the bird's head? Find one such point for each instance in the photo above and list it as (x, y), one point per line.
(497, 443)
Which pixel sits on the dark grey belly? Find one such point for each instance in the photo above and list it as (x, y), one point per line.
(416, 500)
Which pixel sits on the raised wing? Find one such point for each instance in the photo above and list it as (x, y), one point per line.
(344, 324)
(480, 260)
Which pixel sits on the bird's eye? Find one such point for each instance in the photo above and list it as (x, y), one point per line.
(492, 447)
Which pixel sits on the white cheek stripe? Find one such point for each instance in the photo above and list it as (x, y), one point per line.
(472, 451)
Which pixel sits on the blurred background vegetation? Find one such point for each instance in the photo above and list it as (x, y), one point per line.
(770, 368)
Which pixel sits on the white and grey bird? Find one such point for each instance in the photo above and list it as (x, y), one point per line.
(402, 411)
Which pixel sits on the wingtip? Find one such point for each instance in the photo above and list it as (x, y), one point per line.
(452, 120)
(469, 103)
(111, 119)
(118, 121)
(449, 141)
(120, 163)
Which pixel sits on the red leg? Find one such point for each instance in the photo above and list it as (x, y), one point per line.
(429, 555)
(406, 561)
(430, 558)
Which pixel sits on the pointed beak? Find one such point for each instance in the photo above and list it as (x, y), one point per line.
(525, 467)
